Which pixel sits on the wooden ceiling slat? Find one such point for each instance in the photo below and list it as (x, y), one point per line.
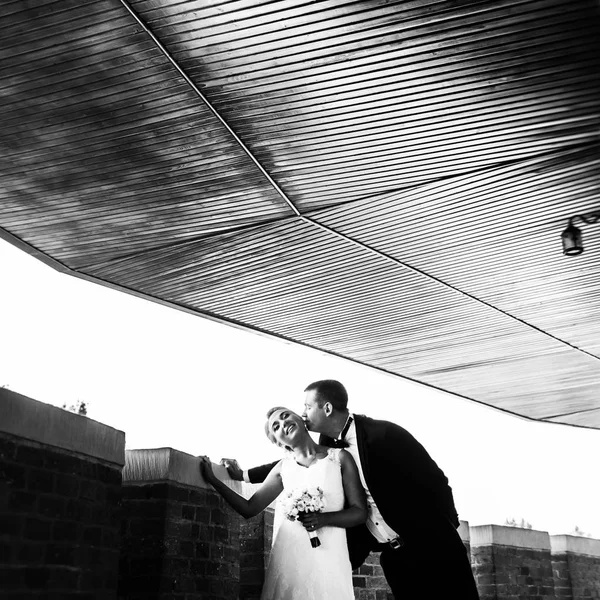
(318, 31)
(344, 59)
(27, 27)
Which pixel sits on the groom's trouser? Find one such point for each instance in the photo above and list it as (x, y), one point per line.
(432, 565)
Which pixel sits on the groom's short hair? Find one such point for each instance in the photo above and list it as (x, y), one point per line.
(329, 390)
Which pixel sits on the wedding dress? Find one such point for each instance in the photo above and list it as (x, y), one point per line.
(296, 570)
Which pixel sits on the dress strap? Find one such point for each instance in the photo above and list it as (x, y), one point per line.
(333, 454)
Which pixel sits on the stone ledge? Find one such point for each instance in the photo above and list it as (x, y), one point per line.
(575, 544)
(30, 419)
(167, 464)
(463, 531)
(517, 537)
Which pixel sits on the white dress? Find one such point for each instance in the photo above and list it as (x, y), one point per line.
(296, 570)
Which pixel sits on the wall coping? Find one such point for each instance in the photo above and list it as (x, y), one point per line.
(463, 531)
(37, 421)
(518, 537)
(167, 464)
(574, 544)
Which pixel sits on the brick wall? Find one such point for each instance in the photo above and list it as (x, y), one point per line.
(511, 563)
(59, 513)
(369, 581)
(179, 539)
(576, 567)
(65, 518)
(255, 546)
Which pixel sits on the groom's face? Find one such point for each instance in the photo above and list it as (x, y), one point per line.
(314, 416)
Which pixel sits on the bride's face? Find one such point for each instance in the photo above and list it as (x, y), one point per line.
(286, 427)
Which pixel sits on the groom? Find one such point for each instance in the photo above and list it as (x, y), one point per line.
(412, 519)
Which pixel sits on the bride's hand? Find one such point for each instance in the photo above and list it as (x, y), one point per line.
(313, 520)
(206, 469)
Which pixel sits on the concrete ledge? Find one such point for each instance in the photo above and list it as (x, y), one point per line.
(46, 424)
(575, 544)
(487, 535)
(463, 531)
(167, 464)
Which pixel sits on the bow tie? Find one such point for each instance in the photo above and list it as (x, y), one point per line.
(335, 443)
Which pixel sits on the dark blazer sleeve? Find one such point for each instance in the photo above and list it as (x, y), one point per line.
(402, 472)
(259, 474)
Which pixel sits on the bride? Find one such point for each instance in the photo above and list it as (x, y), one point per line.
(296, 570)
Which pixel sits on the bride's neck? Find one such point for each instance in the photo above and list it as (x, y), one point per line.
(305, 449)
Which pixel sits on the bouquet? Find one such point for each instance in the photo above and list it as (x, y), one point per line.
(304, 501)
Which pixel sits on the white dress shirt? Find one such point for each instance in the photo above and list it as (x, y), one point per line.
(380, 530)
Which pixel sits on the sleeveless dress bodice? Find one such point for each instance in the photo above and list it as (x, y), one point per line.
(296, 570)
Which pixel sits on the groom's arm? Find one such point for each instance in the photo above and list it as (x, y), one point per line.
(255, 475)
(259, 474)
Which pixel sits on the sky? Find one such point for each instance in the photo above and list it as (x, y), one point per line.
(170, 379)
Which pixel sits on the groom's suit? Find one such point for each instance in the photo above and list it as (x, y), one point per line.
(415, 500)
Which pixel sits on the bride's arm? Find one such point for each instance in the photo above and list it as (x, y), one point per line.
(268, 491)
(355, 512)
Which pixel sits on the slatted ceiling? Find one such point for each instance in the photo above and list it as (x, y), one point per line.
(111, 129)
(505, 79)
(541, 397)
(57, 19)
(350, 94)
(373, 177)
(488, 198)
(342, 288)
(498, 252)
(435, 132)
(485, 113)
(349, 118)
(356, 81)
(180, 181)
(294, 144)
(323, 193)
(493, 226)
(316, 29)
(239, 289)
(509, 124)
(579, 419)
(96, 146)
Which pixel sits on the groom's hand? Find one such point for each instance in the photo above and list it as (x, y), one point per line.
(233, 468)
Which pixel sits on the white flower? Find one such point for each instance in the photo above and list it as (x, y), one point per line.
(297, 501)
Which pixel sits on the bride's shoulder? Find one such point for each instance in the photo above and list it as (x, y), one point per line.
(335, 454)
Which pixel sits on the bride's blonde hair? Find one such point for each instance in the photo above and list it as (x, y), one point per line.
(268, 432)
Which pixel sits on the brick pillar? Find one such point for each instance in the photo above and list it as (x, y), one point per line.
(511, 563)
(255, 548)
(60, 481)
(179, 539)
(576, 565)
